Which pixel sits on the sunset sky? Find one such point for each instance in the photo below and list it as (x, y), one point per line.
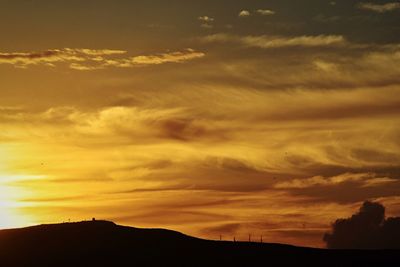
(211, 117)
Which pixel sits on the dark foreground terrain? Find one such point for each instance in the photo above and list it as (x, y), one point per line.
(101, 243)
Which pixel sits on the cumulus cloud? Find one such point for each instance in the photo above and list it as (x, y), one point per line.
(265, 12)
(268, 42)
(91, 59)
(367, 229)
(379, 8)
(244, 13)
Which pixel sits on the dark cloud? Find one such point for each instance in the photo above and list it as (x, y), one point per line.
(182, 129)
(367, 229)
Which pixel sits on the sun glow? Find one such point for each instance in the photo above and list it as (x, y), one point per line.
(11, 193)
(11, 214)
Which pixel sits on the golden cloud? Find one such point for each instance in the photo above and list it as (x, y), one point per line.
(174, 161)
(268, 42)
(90, 59)
(173, 57)
(366, 179)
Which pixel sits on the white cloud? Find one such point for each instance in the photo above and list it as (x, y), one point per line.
(265, 12)
(207, 22)
(380, 8)
(244, 13)
(206, 19)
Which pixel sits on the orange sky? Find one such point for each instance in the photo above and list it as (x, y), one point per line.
(265, 117)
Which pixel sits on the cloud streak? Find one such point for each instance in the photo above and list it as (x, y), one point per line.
(366, 179)
(91, 59)
(380, 8)
(158, 59)
(265, 12)
(270, 42)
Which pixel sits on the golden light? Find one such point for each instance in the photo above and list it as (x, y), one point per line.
(11, 193)
(10, 214)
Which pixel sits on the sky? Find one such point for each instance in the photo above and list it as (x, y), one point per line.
(262, 117)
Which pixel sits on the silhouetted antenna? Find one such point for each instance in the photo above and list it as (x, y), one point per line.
(234, 239)
(220, 237)
(261, 239)
(249, 237)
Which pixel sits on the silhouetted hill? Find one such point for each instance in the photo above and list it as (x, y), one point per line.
(102, 243)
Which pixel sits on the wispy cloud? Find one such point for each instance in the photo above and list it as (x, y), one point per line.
(265, 12)
(366, 179)
(266, 42)
(48, 57)
(91, 59)
(172, 57)
(98, 52)
(380, 8)
(77, 66)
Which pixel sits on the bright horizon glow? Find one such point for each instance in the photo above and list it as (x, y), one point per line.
(10, 207)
